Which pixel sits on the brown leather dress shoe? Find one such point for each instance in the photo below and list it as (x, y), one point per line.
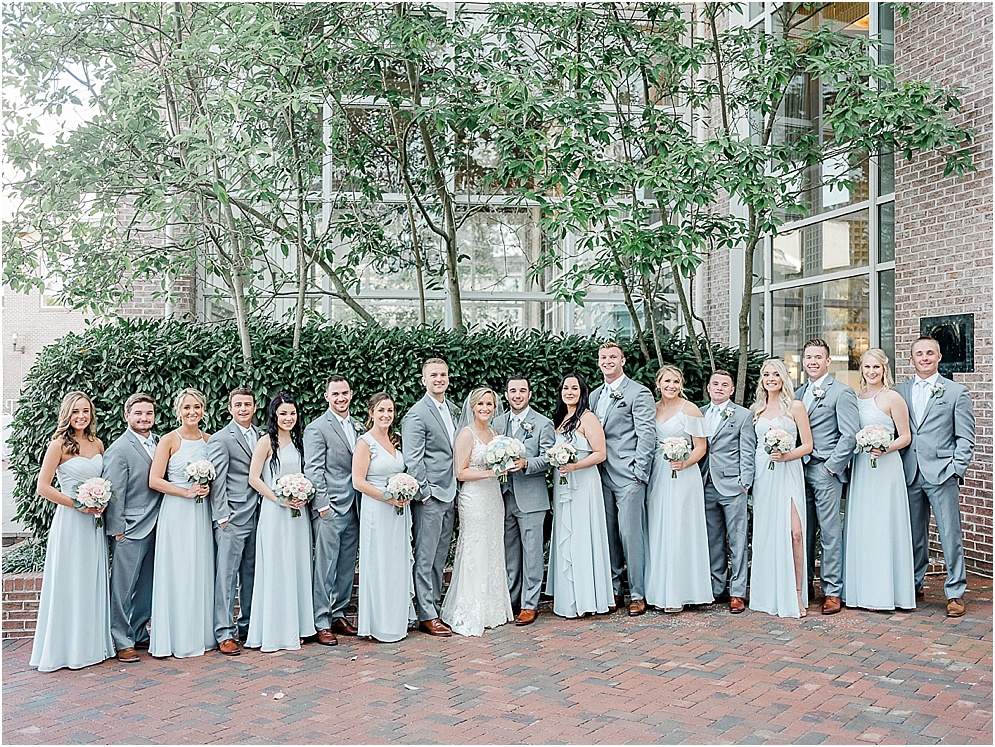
(229, 647)
(831, 605)
(637, 607)
(327, 638)
(956, 607)
(128, 655)
(526, 617)
(736, 605)
(435, 627)
(341, 626)
(920, 593)
(619, 602)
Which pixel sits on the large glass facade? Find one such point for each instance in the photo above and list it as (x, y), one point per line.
(830, 274)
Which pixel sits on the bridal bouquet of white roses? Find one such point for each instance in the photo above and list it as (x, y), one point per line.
(501, 454)
(675, 449)
(777, 439)
(872, 437)
(561, 454)
(401, 486)
(93, 493)
(293, 487)
(202, 472)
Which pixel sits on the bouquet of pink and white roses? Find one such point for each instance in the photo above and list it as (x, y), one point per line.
(93, 493)
(873, 437)
(674, 449)
(561, 454)
(777, 439)
(293, 487)
(202, 472)
(401, 486)
(501, 454)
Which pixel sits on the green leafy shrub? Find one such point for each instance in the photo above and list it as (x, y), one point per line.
(25, 557)
(160, 357)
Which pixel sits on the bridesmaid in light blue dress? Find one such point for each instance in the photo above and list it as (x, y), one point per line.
(282, 606)
(678, 570)
(579, 577)
(183, 568)
(73, 628)
(877, 557)
(386, 584)
(777, 573)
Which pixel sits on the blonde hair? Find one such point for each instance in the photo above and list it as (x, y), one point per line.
(188, 392)
(671, 369)
(881, 357)
(64, 430)
(785, 397)
(478, 394)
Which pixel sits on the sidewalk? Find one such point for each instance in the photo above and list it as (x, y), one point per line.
(700, 677)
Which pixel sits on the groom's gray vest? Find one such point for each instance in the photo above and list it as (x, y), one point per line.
(428, 449)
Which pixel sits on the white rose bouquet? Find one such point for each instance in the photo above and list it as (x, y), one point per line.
(293, 487)
(675, 448)
(777, 439)
(202, 472)
(93, 493)
(561, 454)
(403, 487)
(501, 454)
(872, 437)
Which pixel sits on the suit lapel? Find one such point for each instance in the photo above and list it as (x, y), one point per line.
(929, 401)
(333, 423)
(236, 433)
(613, 405)
(139, 448)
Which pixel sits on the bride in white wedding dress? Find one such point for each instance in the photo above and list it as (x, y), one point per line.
(478, 595)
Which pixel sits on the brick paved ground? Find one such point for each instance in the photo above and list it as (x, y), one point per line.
(700, 677)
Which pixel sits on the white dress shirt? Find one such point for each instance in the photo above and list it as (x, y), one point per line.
(350, 432)
(605, 399)
(809, 396)
(920, 394)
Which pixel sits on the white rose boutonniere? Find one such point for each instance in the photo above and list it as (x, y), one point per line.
(359, 428)
(818, 393)
(936, 390)
(528, 428)
(727, 414)
(617, 395)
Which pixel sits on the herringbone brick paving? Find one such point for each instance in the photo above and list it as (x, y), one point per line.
(700, 677)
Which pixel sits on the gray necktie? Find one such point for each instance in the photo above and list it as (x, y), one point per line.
(250, 439)
(350, 433)
(919, 398)
(516, 425)
(603, 401)
(713, 418)
(149, 444)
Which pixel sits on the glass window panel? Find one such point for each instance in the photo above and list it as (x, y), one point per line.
(757, 322)
(759, 261)
(400, 312)
(837, 311)
(605, 318)
(756, 9)
(829, 246)
(499, 246)
(886, 173)
(886, 314)
(886, 30)
(886, 232)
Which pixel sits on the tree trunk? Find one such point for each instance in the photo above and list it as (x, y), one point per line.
(416, 250)
(744, 313)
(242, 320)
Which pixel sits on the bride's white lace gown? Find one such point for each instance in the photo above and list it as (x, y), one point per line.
(478, 595)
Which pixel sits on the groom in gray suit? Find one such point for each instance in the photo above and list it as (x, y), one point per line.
(727, 473)
(526, 498)
(234, 509)
(130, 523)
(328, 444)
(428, 432)
(832, 413)
(942, 421)
(628, 414)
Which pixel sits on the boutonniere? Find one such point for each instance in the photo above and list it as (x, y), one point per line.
(528, 428)
(727, 413)
(936, 390)
(359, 428)
(616, 395)
(818, 393)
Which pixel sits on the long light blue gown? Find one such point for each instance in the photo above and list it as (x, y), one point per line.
(183, 569)
(877, 535)
(282, 606)
(74, 617)
(678, 571)
(386, 584)
(773, 585)
(580, 574)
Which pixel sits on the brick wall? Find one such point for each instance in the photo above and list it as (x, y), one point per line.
(943, 230)
(21, 595)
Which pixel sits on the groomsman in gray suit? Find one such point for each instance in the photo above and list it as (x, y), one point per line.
(628, 414)
(328, 446)
(526, 498)
(936, 461)
(727, 472)
(234, 509)
(832, 412)
(428, 432)
(130, 523)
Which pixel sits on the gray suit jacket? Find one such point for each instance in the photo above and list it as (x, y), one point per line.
(630, 433)
(135, 506)
(729, 461)
(529, 487)
(835, 422)
(328, 463)
(232, 499)
(428, 450)
(943, 438)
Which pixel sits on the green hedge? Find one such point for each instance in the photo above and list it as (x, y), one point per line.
(111, 362)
